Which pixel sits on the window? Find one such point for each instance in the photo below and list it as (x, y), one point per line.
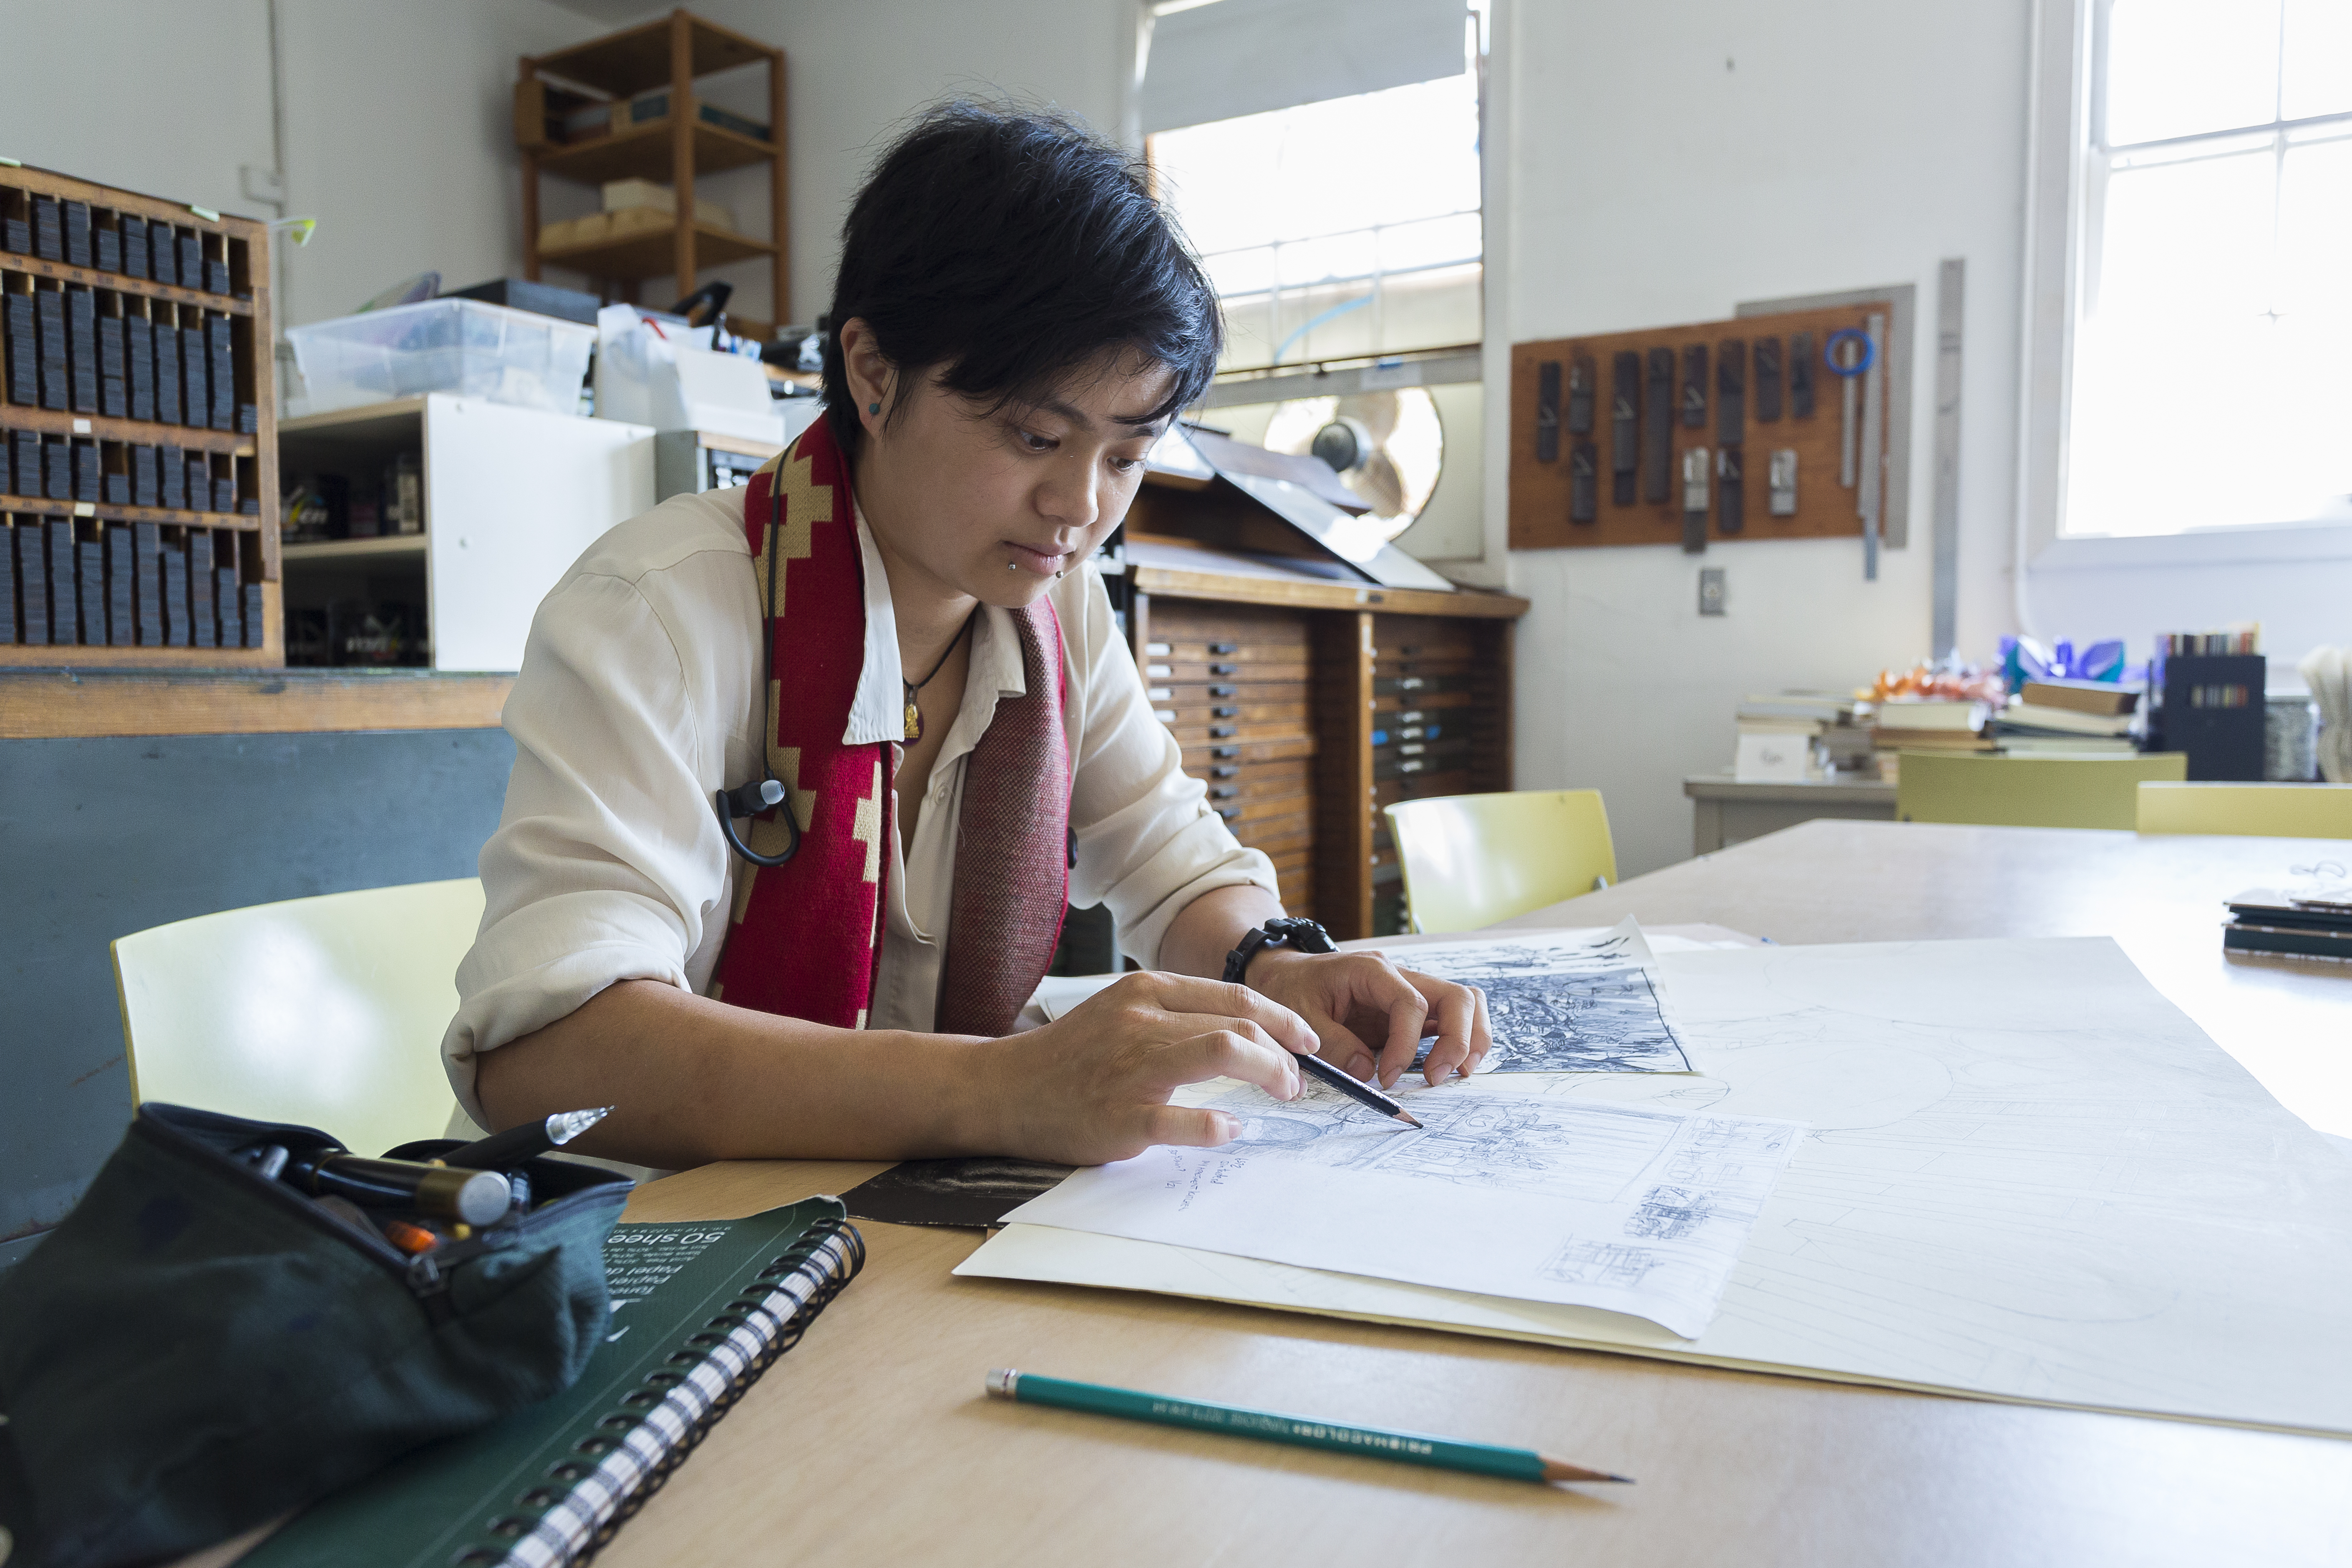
(1340, 228)
(2212, 347)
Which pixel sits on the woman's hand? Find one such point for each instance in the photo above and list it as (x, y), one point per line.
(1373, 1014)
(1093, 1085)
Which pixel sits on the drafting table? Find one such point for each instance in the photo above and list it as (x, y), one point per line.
(873, 1444)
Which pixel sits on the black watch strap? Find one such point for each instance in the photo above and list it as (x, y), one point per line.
(1305, 935)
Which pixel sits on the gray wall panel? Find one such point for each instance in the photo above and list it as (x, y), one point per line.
(102, 837)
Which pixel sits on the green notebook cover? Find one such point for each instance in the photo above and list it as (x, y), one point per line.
(439, 1505)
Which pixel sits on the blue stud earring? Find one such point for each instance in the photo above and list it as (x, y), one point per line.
(873, 408)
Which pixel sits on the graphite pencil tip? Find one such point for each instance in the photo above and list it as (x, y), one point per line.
(1408, 1118)
(1561, 1471)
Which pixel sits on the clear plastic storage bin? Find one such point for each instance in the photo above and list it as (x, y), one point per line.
(443, 345)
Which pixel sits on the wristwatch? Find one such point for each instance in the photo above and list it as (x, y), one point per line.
(1305, 935)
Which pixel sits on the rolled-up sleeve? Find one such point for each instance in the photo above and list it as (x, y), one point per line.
(1148, 843)
(607, 864)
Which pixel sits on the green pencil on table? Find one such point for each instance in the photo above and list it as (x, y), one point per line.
(1305, 1432)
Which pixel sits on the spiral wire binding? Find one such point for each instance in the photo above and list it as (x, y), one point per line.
(825, 1258)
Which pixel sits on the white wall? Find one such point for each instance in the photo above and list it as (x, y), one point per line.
(1661, 164)
(399, 133)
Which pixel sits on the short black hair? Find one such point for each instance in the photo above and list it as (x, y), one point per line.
(1006, 247)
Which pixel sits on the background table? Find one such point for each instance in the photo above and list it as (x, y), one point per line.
(1725, 811)
(873, 1443)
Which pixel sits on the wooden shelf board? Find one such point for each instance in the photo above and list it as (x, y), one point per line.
(357, 422)
(353, 549)
(1179, 569)
(630, 62)
(80, 702)
(643, 153)
(136, 432)
(34, 266)
(39, 506)
(653, 253)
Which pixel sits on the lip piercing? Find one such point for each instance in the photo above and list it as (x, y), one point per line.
(1013, 566)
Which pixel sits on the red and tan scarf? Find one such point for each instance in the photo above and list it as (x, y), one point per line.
(807, 937)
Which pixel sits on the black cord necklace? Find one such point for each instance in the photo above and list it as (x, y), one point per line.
(915, 714)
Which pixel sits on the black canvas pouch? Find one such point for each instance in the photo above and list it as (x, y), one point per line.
(195, 1350)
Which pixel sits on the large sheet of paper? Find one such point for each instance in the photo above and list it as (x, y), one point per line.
(1634, 1208)
(1564, 1001)
(2027, 1177)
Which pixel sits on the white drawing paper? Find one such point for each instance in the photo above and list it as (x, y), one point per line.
(2029, 1177)
(1634, 1208)
(1564, 1001)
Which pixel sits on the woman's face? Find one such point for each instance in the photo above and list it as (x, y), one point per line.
(990, 504)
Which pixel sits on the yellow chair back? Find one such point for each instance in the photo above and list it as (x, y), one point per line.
(1471, 859)
(325, 1011)
(2029, 792)
(2269, 810)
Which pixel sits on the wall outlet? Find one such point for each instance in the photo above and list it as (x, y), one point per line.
(1710, 590)
(262, 185)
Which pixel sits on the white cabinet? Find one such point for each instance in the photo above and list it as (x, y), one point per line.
(513, 496)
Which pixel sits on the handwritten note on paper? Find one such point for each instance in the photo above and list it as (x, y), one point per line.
(1564, 1002)
(1625, 1207)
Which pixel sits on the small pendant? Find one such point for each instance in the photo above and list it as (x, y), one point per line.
(914, 721)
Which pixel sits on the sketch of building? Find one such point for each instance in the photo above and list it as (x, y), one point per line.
(1565, 1007)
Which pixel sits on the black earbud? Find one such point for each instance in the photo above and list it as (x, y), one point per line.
(766, 791)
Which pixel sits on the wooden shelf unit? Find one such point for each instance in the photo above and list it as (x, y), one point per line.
(1289, 694)
(106, 550)
(673, 51)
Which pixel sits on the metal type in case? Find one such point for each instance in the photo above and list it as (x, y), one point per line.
(1768, 380)
(1801, 375)
(1695, 387)
(1583, 482)
(1696, 461)
(1581, 378)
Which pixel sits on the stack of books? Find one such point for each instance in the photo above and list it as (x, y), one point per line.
(2068, 716)
(1933, 724)
(2315, 924)
(1791, 735)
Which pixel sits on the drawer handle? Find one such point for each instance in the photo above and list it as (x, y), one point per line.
(1224, 751)
(1223, 690)
(1230, 813)
(1222, 792)
(1224, 712)
(1219, 731)
(1223, 773)
(1223, 646)
(1225, 669)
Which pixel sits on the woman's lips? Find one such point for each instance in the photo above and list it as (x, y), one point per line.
(1045, 562)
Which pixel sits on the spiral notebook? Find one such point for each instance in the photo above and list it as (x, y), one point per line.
(548, 1486)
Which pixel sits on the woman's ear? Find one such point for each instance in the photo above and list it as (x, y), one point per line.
(869, 374)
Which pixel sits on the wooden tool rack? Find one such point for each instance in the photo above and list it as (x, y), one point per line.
(1305, 703)
(671, 149)
(138, 496)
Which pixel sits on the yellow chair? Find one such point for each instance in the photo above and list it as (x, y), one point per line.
(327, 1011)
(2269, 810)
(1471, 859)
(2029, 792)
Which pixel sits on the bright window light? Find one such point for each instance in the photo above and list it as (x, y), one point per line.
(1340, 228)
(2209, 386)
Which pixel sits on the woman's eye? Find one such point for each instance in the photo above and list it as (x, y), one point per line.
(1125, 465)
(1035, 442)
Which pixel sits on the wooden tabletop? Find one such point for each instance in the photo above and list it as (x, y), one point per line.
(872, 1442)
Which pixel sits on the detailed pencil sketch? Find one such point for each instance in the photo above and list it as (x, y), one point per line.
(1564, 1004)
(1635, 1208)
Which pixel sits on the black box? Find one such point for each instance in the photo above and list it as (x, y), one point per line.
(64, 619)
(219, 342)
(33, 580)
(139, 359)
(170, 461)
(162, 254)
(134, 245)
(7, 584)
(167, 373)
(2214, 710)
(77, 216)
(48, 230)
(146, 547)
(120, 627)
(541, 298)
(202, 630)
(195, 391)
(56, 388)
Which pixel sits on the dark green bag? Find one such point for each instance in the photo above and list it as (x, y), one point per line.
(195, 1350)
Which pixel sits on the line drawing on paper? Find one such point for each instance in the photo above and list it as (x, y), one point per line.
(1561, 1004)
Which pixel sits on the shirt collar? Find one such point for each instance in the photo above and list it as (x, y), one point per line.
(878, 711)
